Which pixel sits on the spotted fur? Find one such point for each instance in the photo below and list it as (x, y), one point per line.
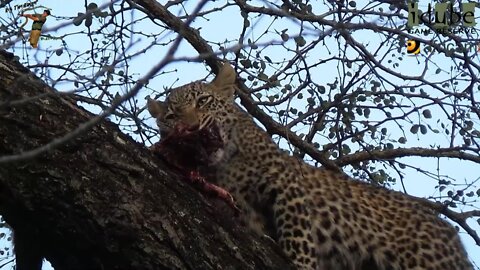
(321, 219)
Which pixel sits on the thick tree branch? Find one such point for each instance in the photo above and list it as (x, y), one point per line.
(101, 200)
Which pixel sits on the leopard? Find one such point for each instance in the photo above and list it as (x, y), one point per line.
(322, 219)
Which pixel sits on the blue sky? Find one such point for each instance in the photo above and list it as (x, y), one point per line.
(416, 184)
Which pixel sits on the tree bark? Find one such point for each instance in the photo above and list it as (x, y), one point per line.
(103, 201)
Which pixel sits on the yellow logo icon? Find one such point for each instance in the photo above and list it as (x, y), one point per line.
(413, 46)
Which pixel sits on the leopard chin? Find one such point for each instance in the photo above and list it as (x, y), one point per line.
(216, 157)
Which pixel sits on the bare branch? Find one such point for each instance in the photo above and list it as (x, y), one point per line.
(390, 154)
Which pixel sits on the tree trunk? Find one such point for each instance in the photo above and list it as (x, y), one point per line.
(103, 201)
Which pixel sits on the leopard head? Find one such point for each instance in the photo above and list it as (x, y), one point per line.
(201, 107)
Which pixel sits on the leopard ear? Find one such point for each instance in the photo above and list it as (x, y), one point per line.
(224, 82)
(156, 108)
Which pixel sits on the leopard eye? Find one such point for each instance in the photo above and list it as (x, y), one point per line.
(203, 100)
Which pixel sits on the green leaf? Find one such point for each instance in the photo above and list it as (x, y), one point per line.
(300, 41)
(311, 101)
(427, 114)
(423, 129)
(88, 21)
(467, 142)
(92, 6)
(366, 112)
(263, 77)
(414, 129)
(79, 19)
(246, 63)
(468, 125)
(321, 89)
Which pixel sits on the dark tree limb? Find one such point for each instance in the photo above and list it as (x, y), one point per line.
(390, 154)
(103, 201)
